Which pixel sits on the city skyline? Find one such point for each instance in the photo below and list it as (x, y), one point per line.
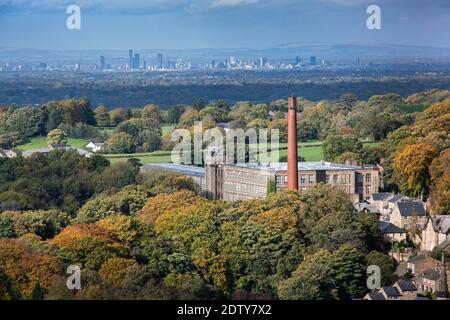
(179, 24)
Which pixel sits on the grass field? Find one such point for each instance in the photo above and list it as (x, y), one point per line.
(310, 150)
(41, 142)
(151, 157)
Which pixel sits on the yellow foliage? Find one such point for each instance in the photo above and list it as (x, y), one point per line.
(162, 203)
(114, 270)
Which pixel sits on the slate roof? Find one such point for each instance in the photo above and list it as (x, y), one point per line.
(406, 285)
(381, 196)
(444, 245)
(430, 274)
(376, 296)
(409, 207)
(442, 224)
(391, 291)
(387, 227)
(416, 258)
(396, 198)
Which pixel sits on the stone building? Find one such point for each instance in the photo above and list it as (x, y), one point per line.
(254, 181)
(436, 233)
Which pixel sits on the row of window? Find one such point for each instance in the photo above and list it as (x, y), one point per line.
(338, 178)
(244, 187)
(241, 175)
(303, 179)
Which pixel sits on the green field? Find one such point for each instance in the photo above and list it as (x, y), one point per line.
(41, 142)
(150, 157)
(310, 150)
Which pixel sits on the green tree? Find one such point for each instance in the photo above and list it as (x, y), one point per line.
(387, 266)
(120, 142)
(102, 116)
(336, 145)
(56, 136)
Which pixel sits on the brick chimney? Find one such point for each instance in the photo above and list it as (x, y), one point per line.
(292, 164)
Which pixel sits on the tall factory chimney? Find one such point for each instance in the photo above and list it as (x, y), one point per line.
(292, 164)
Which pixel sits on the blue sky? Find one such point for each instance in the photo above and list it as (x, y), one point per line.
(187, 24)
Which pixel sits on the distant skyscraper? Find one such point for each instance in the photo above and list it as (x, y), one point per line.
(298, 61)
(262, 61)
(130, 59)
(136, 61)
(102, 63)
(313, 61)
(160, 60)
(145, 65)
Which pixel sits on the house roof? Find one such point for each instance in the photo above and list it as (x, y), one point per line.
(405, 285)
(408, 207)
(97, 142)
(430, 274)
(396, 198)
(364, 206)
(441, 224)
(381, 196)
(376, 296)
(391, 291)
(387, 227)
(444, 245)
(417, 258)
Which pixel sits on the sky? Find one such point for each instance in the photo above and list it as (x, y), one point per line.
(191, 24)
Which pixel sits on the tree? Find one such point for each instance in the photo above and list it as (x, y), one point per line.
(348, 270)
(281, 126)
(160, 181)
(189, 116)
(45, 224)
(174, 114)
(117, 116)
(413, 161)
(114, 270)
(120, 142)
(27, 121)
(440, 180)
(56, 136)
(87, 244)
(117, 176)
(336, 145)
(127, 201)
(27, 269)
(311, 281)
(102, 116)
(386, 264)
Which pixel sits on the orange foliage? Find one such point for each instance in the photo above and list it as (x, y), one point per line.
(26, 268)
(72, 236)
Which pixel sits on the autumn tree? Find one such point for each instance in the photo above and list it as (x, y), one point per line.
(26, 268)
(414, 162)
